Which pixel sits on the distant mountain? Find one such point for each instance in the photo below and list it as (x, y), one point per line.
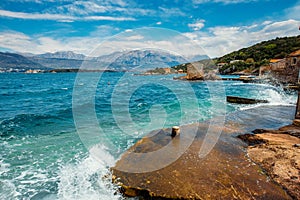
(62, 55)
(56, 63)
(17, 62)
(142, 60)
(137, 60)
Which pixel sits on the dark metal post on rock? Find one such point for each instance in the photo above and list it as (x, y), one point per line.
(175, 131)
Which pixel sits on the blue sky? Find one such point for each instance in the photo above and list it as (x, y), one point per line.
(218, 26)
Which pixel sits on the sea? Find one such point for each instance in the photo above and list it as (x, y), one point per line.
(50, 123)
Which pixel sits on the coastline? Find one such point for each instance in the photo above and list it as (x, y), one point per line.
(226, 171)
(278, 153)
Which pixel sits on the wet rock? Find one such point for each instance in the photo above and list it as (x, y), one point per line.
(241, 100)
(291, 130)
(278, 156)
(225, 172)
(296, 145)
(195, 71)
(296, 122)
(252, 139)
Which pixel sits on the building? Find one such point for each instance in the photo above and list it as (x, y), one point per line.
(235, 61)
(33, 71)
(264, 70)
(219, 65)
(293, 64)
(287, 70)
(293, 59)
(167, 70)
(277, 64)
(180, 71)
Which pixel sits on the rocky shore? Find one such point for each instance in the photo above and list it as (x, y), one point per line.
(232, 169)
(278, 153)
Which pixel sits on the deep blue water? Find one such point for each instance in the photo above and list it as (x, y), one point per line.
(45, 156)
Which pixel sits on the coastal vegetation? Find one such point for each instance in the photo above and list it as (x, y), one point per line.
(253, 57)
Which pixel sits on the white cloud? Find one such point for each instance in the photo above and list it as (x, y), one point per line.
(222, 40)
(96, 7)
(36, 44)
(128, 40)
(170, 12)
(217, 41)
(266, 22)
(106, 18)
(35, 16)
(59, 17)
(80, 8)
(104, 2)
(293, 12)
(222, 1)
(135, 37)
(199, 24)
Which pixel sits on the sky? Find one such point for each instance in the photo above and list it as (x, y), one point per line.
(218, 26)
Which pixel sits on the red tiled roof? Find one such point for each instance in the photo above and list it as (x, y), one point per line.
(275, 60)
(295, 53)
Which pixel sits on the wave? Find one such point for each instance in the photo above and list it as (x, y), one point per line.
(37, 124)
(90, 178)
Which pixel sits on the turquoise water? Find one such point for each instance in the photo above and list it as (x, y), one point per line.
(44, 157)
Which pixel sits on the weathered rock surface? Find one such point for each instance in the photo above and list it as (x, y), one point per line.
(195, 71)
(225, 173)
(278, 153)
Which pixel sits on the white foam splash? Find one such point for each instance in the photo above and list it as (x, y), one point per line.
(274, 95)
(85, 180)
(8, 190)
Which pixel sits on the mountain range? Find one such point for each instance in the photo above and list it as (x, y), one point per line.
(137, 60)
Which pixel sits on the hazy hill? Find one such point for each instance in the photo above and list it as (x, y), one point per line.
(62, 55)
(56, 63)
(143, 60)
(16, 61)
(137, 60)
